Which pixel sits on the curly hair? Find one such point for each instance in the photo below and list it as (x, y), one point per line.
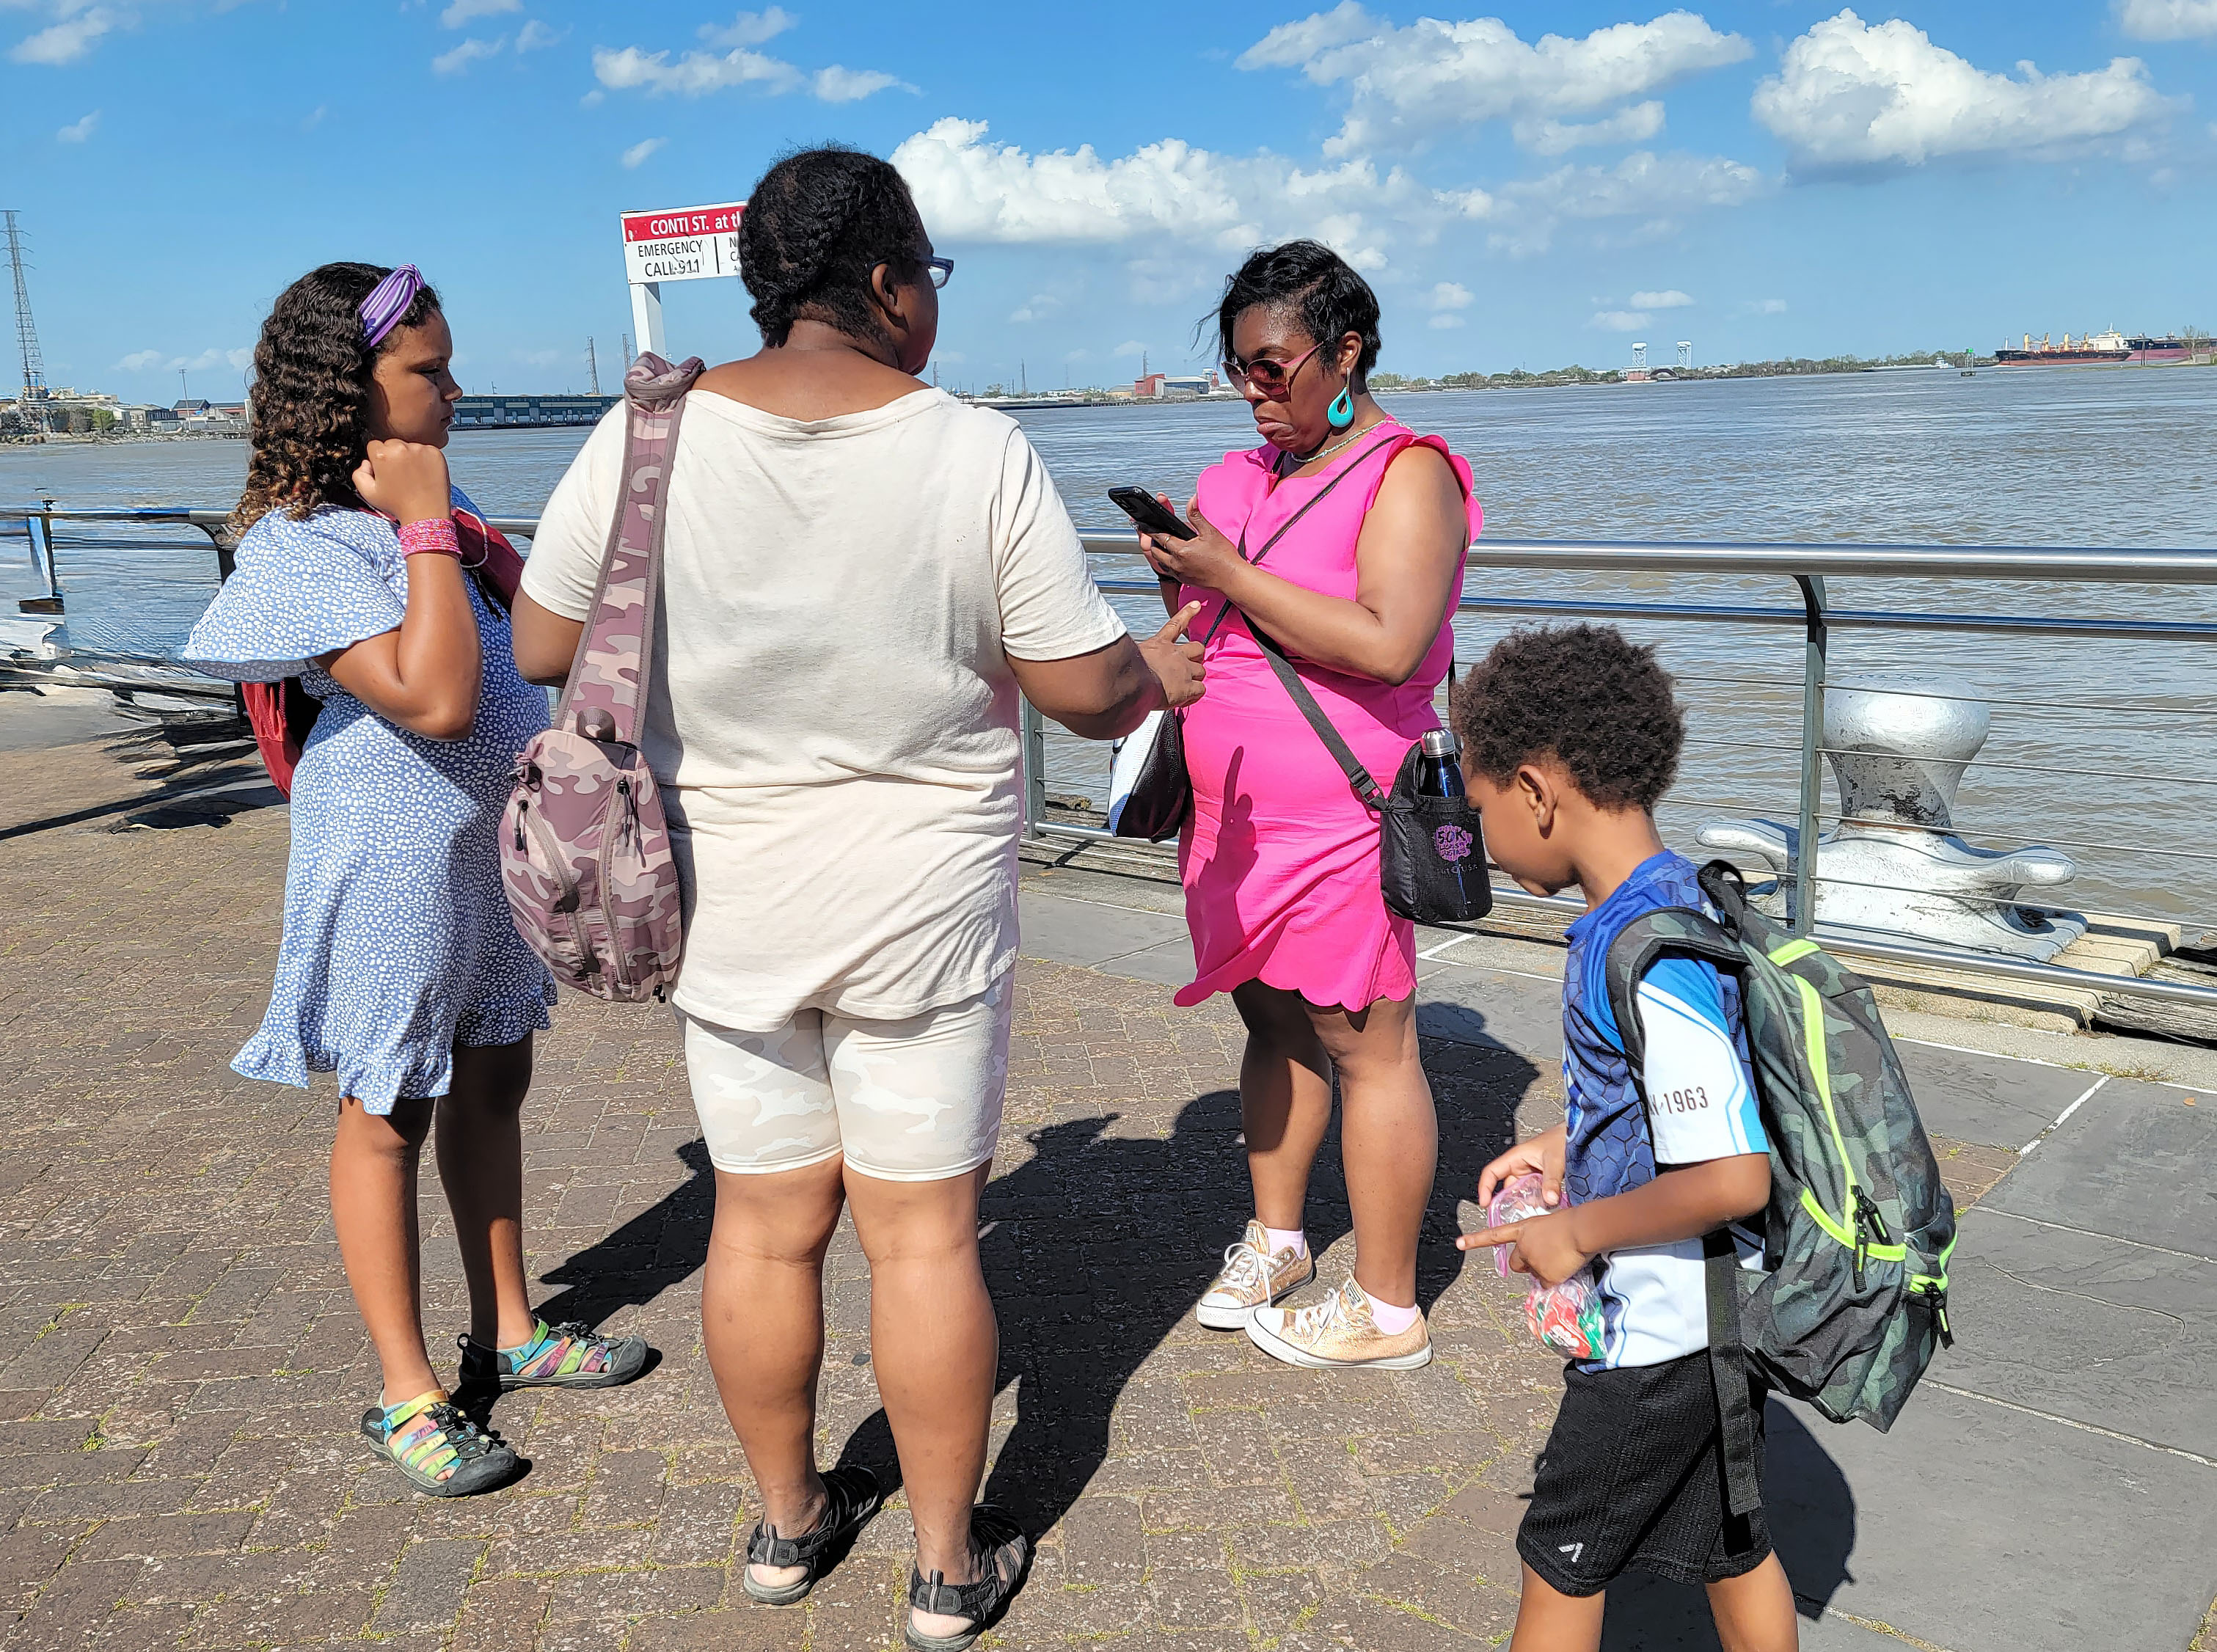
(1315, 283)
(1581, 694)
(309, 398)
(817, 225)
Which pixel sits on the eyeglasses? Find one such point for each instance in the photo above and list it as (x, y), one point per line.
(1273, 379)
(941, 270)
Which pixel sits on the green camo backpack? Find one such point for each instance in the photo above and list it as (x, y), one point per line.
(1854, 1295)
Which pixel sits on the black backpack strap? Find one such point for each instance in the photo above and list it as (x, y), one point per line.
(1728, 1372)
(1689, 934)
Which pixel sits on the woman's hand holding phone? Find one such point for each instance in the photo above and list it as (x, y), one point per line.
(1206, 561)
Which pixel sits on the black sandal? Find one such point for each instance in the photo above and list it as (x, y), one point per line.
(994, 1538)
(851, 1496)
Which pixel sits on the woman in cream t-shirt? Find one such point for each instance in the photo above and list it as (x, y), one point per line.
(860, 574)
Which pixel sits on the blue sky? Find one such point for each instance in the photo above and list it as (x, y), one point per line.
(1524, 184)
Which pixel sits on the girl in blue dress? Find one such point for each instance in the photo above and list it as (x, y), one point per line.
(401, 969)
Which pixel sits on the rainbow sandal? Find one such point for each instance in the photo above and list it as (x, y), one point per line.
(568, 1355)
(437, 1450)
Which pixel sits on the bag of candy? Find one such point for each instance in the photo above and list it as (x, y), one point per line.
(1567, 1317)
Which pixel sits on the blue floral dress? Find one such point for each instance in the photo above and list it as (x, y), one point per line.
(398, 944)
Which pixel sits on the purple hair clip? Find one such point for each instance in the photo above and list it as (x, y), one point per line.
(382, 310)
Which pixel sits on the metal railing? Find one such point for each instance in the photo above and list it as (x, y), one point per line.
(1807, 566)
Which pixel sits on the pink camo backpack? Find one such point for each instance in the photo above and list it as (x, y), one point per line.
(584, 850)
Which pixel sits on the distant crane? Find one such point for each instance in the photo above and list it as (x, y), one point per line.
(592, 368)
(32, 400)
(1685, 355)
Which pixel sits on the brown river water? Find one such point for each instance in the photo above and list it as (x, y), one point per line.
(2101, 747)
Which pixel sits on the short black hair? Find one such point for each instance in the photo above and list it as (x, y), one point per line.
(1583, 695)
(818, 223)
(1316, 284)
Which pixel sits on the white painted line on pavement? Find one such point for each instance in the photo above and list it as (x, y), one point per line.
(2063, 1115)
(2089, 1233)
(1432, 952)
(2072, 1422)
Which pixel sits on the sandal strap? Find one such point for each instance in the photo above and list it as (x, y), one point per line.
(847, 1493)
(990, 1532)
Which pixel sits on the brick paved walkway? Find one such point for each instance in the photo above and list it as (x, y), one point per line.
(182, 1370)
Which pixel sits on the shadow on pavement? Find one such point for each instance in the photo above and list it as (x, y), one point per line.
(1812, 1526)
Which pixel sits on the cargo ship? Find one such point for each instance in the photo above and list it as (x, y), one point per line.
(2112, 346)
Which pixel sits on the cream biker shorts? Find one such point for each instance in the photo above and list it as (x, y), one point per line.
(916, 1100)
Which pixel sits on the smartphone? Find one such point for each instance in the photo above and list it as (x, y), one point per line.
(1144, 508)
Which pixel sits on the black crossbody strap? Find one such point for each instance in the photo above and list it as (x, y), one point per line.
(1313, 499)
(1359, 779)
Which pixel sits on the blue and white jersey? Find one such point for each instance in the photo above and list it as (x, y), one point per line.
(1701, 1106)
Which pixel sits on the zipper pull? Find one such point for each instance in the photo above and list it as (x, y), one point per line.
(1867, 1208)
(520, 808)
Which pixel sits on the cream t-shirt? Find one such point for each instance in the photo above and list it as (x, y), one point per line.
(833, 717)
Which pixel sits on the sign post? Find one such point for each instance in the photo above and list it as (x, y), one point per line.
(679, 243)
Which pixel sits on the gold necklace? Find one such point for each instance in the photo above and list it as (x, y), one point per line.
(1302, 462)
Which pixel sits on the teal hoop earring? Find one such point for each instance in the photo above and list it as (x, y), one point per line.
(1341, 413)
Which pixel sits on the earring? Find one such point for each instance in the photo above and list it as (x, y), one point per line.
(1341, 413)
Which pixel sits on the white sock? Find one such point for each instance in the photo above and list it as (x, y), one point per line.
(1391, 1319)
(1294, 1239)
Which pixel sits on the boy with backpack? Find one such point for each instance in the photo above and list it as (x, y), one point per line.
(1570, 735)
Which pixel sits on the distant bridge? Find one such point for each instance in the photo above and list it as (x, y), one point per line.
(528, 412)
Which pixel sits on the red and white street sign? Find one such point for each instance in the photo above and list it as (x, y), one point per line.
(683, 243)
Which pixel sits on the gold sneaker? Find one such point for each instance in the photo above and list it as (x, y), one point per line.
(1252, 1278)
(1337, 1332)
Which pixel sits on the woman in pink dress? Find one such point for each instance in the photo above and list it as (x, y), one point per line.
(1342, 538)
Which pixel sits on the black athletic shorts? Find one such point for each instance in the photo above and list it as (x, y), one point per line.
(1634, 1475)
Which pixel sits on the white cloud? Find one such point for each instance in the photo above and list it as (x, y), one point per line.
(1851, 93)
(2168, 20)
(162, 360)
(841, 85)
(1038, 307)
(77, 130)
(536, 36)
(971, 189)
(315, 117)
(1619, 321)
(1451, 295)
(1656, 188)
(1671, 298)
(1130, 346)
(465, 11)
(593, 100)
(1764, 307)
(1408, 84)
(541, 358)
(469, 52)
(750, 28)
(1444, 321)
(1635, 124)
(695, 74)
(67, 40)
(639, 152)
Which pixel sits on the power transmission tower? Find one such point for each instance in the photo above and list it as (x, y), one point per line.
(592, 367)
(34, 395)
(1686, 353)
(627, 356)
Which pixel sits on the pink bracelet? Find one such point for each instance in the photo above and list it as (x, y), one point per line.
(433, 537)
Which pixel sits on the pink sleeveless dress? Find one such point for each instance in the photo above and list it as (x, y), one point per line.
(1280, 861)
